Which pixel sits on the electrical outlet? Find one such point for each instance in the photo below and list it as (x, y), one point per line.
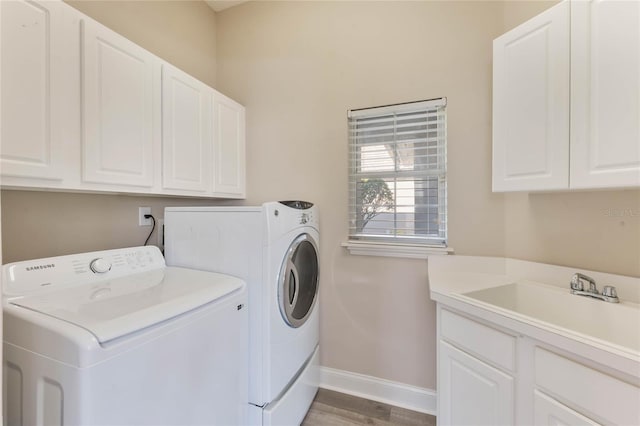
(160, 232)
(142, 221)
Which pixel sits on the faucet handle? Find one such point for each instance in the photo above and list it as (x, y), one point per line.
(610, 294)
(578, 284)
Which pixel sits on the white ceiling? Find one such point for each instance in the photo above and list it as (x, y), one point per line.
(219, 5)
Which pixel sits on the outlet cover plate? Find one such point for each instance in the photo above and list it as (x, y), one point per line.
(142, 221)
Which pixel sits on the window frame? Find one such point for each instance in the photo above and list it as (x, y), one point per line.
(396, 245)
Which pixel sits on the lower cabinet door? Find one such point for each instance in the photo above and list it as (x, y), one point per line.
(472, 392)
(549, 412)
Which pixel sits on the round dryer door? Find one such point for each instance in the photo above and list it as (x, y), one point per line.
(298, 284)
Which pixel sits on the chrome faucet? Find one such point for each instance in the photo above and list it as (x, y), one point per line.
(578, 280)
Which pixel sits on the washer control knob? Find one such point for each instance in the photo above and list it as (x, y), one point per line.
(100, 265)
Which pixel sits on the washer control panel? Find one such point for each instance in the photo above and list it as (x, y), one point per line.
(34, 276)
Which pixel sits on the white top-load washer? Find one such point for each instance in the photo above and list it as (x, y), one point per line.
(274, 247)
(117, 338)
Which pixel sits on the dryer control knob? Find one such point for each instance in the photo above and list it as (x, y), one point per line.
(100, 265)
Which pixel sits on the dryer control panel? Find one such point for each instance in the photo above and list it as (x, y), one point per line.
(282, 217)
(42, 275)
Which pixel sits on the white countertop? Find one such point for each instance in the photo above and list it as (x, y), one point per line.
(457, 274)
(452, 277)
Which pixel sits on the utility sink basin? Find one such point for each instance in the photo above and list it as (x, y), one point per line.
(614, 323)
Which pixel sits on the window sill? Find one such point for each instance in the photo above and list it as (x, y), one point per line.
(409, 251)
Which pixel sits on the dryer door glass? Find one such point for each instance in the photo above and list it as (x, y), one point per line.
(298, 287)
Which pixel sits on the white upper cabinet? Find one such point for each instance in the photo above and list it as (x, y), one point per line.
(229, 147)
(531, 104)
(85, 109)
(567, 99)
(117, 105)
(605, 87)
(37, 94)
(187, 132)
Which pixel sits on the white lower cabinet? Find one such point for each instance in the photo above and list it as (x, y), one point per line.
(585, 388)
(549, 412)
(545, 384)
(471, 391)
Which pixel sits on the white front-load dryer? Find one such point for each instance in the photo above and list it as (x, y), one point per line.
(274, 248)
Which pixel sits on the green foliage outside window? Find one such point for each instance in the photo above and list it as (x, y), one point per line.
(374, 197)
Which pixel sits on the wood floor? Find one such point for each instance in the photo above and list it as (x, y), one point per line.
(337, 409)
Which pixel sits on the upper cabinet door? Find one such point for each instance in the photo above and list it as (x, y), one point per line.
(229, 147)
(531, 104)
(187, 132)
(118, 118)
(605, 87)
(37, 60)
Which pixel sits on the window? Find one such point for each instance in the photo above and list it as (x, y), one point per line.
(398, 174)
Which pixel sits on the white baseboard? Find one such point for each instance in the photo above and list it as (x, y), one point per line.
(381, 390)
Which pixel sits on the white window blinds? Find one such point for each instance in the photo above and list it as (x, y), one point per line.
(398, 173)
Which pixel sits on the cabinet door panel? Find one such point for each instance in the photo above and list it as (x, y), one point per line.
(186, 132)
(472, 392)
(549, 412)
(605, 77)
(531, 104)
(117, 109)
(229, 147)
(32, 36)
(565, 379)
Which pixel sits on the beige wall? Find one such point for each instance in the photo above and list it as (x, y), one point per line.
(298, 67)
(43, 224)
(597, 230)
(586, 230)
(515, 12)
(38, 224)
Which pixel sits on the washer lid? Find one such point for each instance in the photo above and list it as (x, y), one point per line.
(115, 308)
